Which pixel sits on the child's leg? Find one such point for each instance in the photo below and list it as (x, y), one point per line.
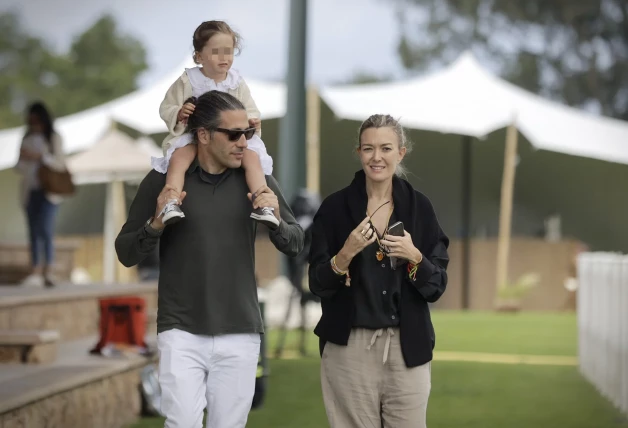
(180, 161)
(255, 179)
(253, 171)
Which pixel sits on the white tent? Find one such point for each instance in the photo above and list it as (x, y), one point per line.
(138, 110)
(465, 99)
(113, 159)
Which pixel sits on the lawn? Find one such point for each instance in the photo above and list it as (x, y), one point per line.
(464, 394)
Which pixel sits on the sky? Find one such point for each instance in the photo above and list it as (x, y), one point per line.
(345, 37)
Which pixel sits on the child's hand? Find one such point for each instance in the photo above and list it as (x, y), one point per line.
(255, 123)
(185, 112)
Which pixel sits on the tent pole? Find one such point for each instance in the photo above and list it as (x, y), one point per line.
(292, 132)
(505, 212)
(466, 219)
(313, 122)
(124, 275)
(108, 263)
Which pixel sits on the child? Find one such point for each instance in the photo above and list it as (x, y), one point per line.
(214, 47)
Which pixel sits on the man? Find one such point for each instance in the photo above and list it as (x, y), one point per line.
(208, 322)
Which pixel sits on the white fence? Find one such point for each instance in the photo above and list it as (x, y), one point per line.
(603, 324)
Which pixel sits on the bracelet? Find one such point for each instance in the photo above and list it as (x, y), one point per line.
(412, 269)
(336, 269)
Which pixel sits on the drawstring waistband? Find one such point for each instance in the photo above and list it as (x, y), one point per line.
(390, 332)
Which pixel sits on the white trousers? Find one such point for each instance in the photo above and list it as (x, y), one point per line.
(213, 372)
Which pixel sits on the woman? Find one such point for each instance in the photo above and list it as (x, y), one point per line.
(40, 145)
(375, 332)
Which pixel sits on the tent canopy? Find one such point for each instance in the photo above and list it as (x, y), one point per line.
(116, 156)
(465, 99)
(138, 110)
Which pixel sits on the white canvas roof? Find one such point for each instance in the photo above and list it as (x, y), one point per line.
(116, 156)
(465, 99)
(138, 110)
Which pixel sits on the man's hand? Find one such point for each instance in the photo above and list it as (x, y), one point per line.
(265, 197)
(168, 193)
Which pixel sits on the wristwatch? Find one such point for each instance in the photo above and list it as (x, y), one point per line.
(150, 230)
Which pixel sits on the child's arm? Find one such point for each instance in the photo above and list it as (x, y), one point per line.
(172, 103)
(251, 108)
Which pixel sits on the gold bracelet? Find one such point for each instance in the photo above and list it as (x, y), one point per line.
(336, 269)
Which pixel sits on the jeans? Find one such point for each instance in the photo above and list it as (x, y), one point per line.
(41, 215)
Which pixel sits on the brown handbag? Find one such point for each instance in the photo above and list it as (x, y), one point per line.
(57, 182)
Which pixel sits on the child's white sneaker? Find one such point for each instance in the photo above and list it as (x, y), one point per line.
(172, 213)
(265, 215)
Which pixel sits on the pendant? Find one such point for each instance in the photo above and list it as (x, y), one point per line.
(379, 255)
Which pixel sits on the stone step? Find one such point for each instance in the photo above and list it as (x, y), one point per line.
(28, 346)
(72, 310)
(77, 389)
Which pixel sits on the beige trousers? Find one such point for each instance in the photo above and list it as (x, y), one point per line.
(366, 384)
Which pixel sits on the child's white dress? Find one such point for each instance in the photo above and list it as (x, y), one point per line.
(194, 83)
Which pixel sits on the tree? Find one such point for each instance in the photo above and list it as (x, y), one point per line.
(363, 78)
(574, 51)
(100, 66)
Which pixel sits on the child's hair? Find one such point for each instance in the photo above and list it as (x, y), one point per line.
(209, 29)
(207, 110)
(387, 121)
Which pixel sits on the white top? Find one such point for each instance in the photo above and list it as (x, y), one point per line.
(55, 159)
(202, 84)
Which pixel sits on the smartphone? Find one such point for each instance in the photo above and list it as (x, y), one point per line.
(396, 230)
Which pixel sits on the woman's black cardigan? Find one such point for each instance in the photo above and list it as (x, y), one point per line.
(338, 215)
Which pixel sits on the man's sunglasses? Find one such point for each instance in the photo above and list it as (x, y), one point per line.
(235, 134)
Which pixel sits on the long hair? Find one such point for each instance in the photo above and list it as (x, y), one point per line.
(39, 110)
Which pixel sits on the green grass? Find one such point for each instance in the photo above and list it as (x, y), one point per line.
(524, 333)
(464, 395)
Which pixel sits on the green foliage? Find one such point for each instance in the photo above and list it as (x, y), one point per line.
(572, 51)
(101, 65)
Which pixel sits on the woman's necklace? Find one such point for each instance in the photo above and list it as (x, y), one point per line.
(380, 253)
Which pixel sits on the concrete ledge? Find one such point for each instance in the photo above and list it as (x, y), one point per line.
(72, 310)
(28, 346)
(11, 296)
(90, 391)
(111, 401)
(28, 337)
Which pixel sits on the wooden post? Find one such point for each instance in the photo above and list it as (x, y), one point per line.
(313, 116)
(123, 275)
(109, 255)
(505, 211)
(466, 218)
(115, 216)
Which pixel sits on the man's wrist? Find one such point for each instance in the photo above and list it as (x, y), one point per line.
(154, 227)
(276, 228)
